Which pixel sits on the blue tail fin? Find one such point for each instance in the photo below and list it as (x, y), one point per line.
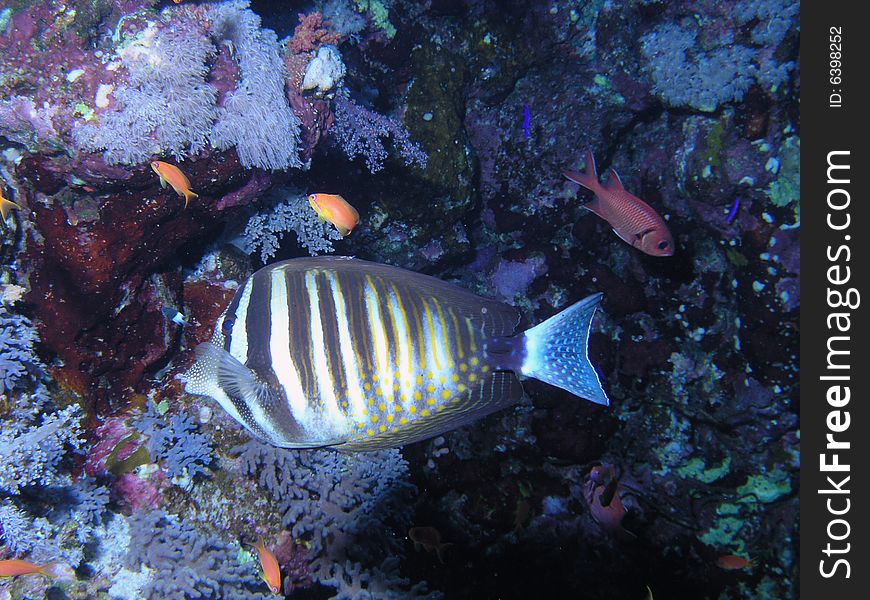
(556, 351)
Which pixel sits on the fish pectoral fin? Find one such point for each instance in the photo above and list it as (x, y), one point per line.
(625, 239)
(644, 233)
(163, 182)
(234, 377)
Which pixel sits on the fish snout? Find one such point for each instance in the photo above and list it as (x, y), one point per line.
(659, 243)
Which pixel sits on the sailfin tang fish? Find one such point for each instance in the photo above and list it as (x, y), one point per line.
(633, 220)
(334, 351)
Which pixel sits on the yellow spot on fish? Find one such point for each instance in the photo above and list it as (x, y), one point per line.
(396, 387)
(382, 407)
(455, 378)
(430, 375)
(403, 396)
(370, 432)
(379, 391)
(424, 413)
(412, 409)
(374, 418)
(418, 396)
(431, 401)
(419, 380)
(484, 368)
(375, 377)
(390, 418)
(461, 387)
(367, 386)
(472, 377)
(463, 367)
(398, 408)
(445, 394)
(474, 361)
(383, 428)
(403, 421)
(430, 388)
(442, 380)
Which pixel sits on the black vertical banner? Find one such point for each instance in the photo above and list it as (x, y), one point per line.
(835, 261)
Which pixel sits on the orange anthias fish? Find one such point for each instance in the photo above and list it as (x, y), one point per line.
(6, 205)
(336, 210)
(602, 495)
(14, 567)
(428, 538)
(632, 219)
(173, 176)
(732, 562)
(271, 569)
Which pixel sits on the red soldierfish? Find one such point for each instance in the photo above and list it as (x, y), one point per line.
(632, 219)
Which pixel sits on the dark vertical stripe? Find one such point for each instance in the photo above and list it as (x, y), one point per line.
(329, 322)
(299, 324)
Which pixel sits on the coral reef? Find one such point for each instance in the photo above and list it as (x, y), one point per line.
(448, 126)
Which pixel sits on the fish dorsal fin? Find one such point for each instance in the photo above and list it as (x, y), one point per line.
(614, 183)
(491, 317)
(498, 390)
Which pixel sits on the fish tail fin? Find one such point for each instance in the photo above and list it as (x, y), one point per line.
(49, 569)
(589, 177)
(188, 195)
(556, 351)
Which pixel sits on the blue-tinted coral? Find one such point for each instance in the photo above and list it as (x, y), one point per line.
(344, 507)
(178, 442)
(360, 132)
(29, 454)
(17, 354)
(187, 563)
(166, 106)
(256, 117)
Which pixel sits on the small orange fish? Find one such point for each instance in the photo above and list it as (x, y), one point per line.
(271, 569)
(6, 205)
(173, 176)
(336, 210)
(632, 219)
(428, 538)
(732, 562)
(14, 567)
(605, 504)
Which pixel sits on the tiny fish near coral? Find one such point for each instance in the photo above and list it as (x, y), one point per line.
(632, 219)
(732, 562)
(336, 210)
(602, 495)
(173, 176)
(6, 205)
(14, 567)
(334, 351)
(429, 539)
(269, 564)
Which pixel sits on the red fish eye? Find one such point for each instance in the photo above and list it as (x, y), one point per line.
(663, 245)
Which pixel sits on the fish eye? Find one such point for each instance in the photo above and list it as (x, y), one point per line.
(663, 245)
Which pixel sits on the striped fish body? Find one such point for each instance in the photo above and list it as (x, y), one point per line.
(334, 351)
